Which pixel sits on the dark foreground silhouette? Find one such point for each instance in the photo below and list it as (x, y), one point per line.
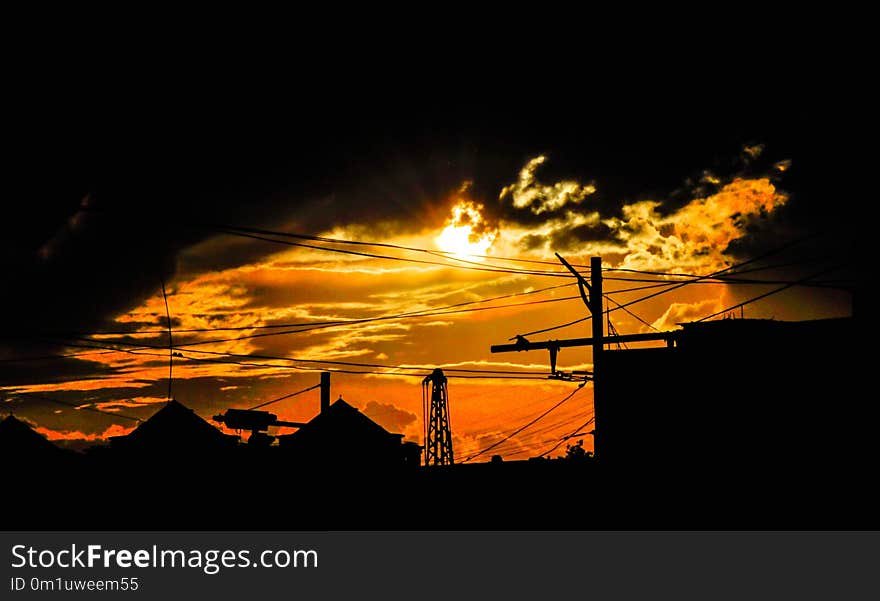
(741, 425)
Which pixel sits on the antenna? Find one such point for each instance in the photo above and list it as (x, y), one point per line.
(170, 339)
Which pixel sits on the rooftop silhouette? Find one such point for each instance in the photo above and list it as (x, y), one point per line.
(20, 443)
(174, 428)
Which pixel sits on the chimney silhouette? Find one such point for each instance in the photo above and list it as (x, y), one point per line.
(325, 391)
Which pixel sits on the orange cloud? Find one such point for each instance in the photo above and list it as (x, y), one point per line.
(684, 312)
(644, 236)
(696, 235)
(114, 430)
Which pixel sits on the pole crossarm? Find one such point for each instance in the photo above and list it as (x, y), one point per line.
(524, 345)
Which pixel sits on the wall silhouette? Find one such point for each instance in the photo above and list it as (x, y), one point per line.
(757, 415)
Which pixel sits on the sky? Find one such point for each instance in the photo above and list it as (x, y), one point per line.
(464, 199)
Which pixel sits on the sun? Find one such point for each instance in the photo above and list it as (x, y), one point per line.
(466, 233)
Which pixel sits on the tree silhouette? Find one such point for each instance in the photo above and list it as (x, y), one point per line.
(576, 452)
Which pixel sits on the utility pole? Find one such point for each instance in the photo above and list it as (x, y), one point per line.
(591, 294)
(596, 300)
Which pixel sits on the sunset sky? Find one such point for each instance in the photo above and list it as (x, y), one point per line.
(454, 191)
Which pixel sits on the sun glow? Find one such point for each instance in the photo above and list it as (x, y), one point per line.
(466, 232)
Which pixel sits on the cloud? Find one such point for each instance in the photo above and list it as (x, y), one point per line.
(528, 193)
(114, 430)
(14, 373)
(78, 436)
(645, 234)
(753, 151)
(389, 416)
(696, 235)
(130, 403)
(236, 283)
(678, 313)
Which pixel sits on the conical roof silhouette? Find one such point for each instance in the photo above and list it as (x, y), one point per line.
(341, 418)
(17, 438)
(342, 430)
(175, 425)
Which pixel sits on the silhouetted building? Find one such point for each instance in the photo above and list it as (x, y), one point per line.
(175, 429)
(741, 398)
(343, 436)
(21, 446)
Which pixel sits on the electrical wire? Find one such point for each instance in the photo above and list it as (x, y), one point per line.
(415, 313)
(441, 311)
(568, 436)
(682, 284)
(574, 434)
(630, 313)
(420, 368)
(493, 269)
(472, 265)
(770, 293)
(28, 395)
(523, 427)
(528, 437)
(170, 341)
(485, 375)
(281, 398)
(50, 357)
(234, 230)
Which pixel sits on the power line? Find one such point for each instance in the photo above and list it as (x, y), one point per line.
(365, 372)
(472, 265)
(500, 445)
(48, 357)
(357, 321)
(253, 233)
(725, 280)
(560, 424)
(521, 428)
(421, 313)
(415, 313)
(486, 375)
(441, 311)
(682, 284)
(494, 269)
(306, 327)
(286, 396)
(568, 436)
(235, 230)
(170, 340)
(531, 435)
(310, 326)
(630, 313)
(770, 293)
(78, 407)
(420, 368)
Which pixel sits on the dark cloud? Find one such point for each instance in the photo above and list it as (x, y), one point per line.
(51, 371)
(156, 173)
(389, 416)
(572, 237)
